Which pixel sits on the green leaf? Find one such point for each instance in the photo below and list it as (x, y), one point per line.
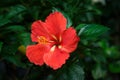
(15, 28)
(15, 10)
(112, 52)
(9, 49)
(98, 72)
(69, 21)
(115, 67)
(103, 44)
(71, 72)
(1, 43)
(10, 46)
(3, 21)
(16, 60)
(24, 38)
(91, 30)
(10, 53)
(99, 58)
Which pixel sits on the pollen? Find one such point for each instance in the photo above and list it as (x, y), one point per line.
(42, 40)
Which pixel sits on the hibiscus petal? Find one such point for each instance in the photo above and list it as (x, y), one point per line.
(55, 59)
(57, 23)
(69, 40)
(39, 29)
(35, 53)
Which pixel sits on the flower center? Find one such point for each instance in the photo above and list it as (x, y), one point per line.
(57, 40)
(42, 40)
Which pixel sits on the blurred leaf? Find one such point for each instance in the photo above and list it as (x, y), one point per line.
(112, 52)
(16, 60)
(10, 45)
(3, 21)
(98, 72)
(9, 49)
(115, 67)
(69, 21)
(15, 28)
(72, 72)
(1, 43)
(99, 58)
(91, 30)
(15, 10)
(24, 38)
(109, 51)
(103, 44)
(9, 53)
(50, 77)
(99, 1)
(5, 3)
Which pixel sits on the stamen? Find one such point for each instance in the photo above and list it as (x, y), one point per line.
(54, 37)
(42, 40)
(60, 38)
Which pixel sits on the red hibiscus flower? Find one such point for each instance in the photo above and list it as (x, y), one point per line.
(54, 41)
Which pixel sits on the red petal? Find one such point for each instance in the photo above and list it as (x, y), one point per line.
(35, 53)
(39, 29)
(55, 59)
(69, 40)
(57, 23)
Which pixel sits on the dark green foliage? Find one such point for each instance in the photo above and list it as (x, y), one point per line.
(96, 57)
(89, 31)
(115, 67)
(0, 46)
(71, 72)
